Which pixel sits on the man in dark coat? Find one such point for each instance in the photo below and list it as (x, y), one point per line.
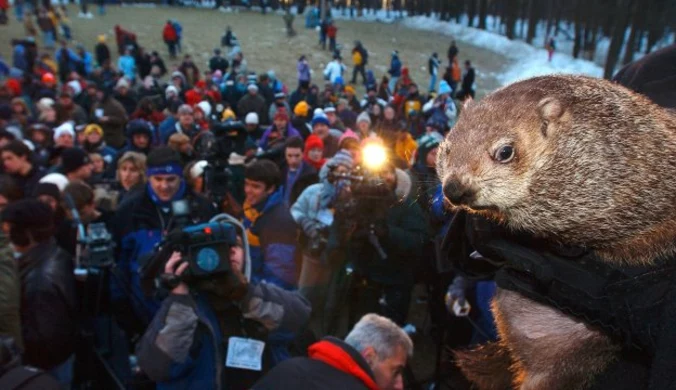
(217, 62)
(373, 356)
(297, 174)
(16, 161)
(48, 302)
(253, 102)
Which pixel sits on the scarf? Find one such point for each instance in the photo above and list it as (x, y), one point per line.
(336, 357)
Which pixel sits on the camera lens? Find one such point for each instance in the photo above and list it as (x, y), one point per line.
(207, 259)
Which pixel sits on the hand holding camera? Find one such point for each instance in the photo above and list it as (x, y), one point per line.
(173, 269)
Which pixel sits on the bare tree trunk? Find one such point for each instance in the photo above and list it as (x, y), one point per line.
(533, 19)
(577, 42)
(638, 15)
(483, 11)
(471, 12)
(511, 13)
(617, 39)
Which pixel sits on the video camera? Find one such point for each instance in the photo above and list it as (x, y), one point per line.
(215, 146)
(205, 247)
(369, 197)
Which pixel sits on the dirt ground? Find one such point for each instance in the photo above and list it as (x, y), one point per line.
(265, 44)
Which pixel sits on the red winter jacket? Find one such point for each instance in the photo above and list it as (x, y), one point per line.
(169, 33)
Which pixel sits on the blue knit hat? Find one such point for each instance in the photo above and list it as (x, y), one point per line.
(444, 87)
(320, 119)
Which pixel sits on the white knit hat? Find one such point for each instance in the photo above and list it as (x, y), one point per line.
(57, 179)
(251, 118)
(66, 127)
(205, 106)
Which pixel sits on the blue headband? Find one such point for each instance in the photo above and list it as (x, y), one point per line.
(169, 169)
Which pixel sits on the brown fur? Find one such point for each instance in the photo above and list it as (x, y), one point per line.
(594, 167)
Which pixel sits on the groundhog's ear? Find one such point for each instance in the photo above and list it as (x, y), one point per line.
(550, 110)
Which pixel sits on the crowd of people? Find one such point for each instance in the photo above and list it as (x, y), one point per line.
(87, 139)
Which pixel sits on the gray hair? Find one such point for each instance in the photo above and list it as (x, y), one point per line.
(380, 333)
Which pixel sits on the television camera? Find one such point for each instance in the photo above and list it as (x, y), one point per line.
(368, 198)
(205, 247)
(215, 146)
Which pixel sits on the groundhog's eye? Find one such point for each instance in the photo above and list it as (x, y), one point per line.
(504, 154)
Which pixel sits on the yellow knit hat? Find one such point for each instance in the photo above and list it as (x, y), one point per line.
(301, 109)
(228, 114)
(93, 128)
(350, 89)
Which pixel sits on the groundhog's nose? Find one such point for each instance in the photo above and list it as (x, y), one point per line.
(458, 193)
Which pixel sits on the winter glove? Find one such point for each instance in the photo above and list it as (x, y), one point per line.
(456, 294)
(380, 229)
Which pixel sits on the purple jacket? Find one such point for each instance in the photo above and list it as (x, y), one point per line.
(303, 71)
(290, 132)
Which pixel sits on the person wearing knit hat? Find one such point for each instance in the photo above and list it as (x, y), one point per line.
(364, 126)
(253, 101)
(348, 140)
(321, 128)
(140, 136)
(314, 152)
(64, 135)
(49, 194)
(279, 104)
(203, 114)
(302, 109)
(57, 179)
(75, 164)
(229, 114)
(279, 131)
(94, 143)
(301, 119)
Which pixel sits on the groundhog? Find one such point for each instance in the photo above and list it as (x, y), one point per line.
(578, 161)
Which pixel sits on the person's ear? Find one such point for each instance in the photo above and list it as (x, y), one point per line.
(369, 354)
(270, 190)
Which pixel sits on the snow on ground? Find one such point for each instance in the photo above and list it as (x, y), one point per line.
(527, 60)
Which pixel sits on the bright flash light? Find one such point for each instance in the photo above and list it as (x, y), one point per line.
(374, 156)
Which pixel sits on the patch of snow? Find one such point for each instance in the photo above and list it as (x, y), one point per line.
(526, 60)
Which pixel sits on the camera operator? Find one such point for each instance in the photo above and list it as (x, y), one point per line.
(402, 232)
(48, 302)
(186, 345)
(145, 217)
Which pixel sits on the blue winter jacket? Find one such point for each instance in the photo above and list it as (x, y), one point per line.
(395, 67)
(127, 64)
(273, 247)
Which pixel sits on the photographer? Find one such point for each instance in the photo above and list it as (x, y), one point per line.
(186, 345)
(401, 232)
(48, 302)
(146, 216)
(312, 212)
